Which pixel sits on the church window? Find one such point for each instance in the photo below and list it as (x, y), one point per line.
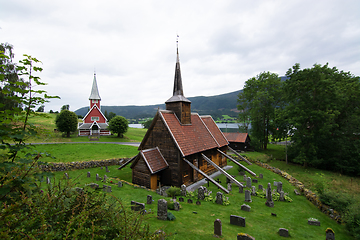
(95, 101)
(94, 118)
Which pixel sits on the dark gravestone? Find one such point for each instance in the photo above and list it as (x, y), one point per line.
(247, 196)
(315, 223)
(261, 176)
(241, 189)
(241, 173)
(283, 232)
(88, 174)
(119, 184)
(236, 220)
(162, 209)
(183, 190)
(217, 227)
(245, 177)
(248, 182)
(255, 181)
(189, 200)
(260, 187)
(245, 207)
(66, 175)
(93, 185)
(269, 200)
(330, 234)
(198, 202)
(244, 236)
(105, 178)
(273, 214)
(219, 198)
(228, 180)
(181, 199)
(149, 199)
(229, 187)
(107, 170)
(282, 196)
(279, 187)
(253, 191)
(108, 189)
(104, 188)
(97, 177)
(176, 206)
(136, 206)
(201, 193)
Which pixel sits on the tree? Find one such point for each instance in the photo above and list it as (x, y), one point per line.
(257, 103)
(66, 121)
(65, 107)
(323, 110)
(41, 108)
(147, 123)
(109, 116)
(118, 125)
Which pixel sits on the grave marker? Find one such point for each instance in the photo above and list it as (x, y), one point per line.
(201, 193)
(282, 196)
(119, 184)
(247, 196)
(255, 181)
(217, 227)
(283, 232)
(66, 175)
(181, 199)
(261, 176)
(97, 177)
(107, 169)
(105, 178)
(245, 207)
(104, 188)
(279, 187)
(149, 199)
(88, 174)
(109, 189)
(253, 191)
(176, 206)
(330, 234)
(162, 209)
(241, 190)
(238, 221)
(219, 198)
(261, 187)
(248, 182)
(269, 200)
(183, 190)
(229, 187)
(189, 200)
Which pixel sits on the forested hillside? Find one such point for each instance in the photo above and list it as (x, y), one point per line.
(216, 106)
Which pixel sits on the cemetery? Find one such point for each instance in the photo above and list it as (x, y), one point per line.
(202, 214)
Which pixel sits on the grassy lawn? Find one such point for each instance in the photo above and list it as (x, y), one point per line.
(74, 152)
(196, 222)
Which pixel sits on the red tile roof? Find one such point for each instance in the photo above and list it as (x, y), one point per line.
(154, 160)
(195, 137)
(215, 131)
(236, 137)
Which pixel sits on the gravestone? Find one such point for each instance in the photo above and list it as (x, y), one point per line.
(107, 169)
(205, 189)
(101, 168)
(236, 220)
(261, 176)
(219, 198)
(48, 180)
(253, 191)
(119, 184)
(315, 223)
(248, 182)
(183, 190)
(273, 214)
(245, 177)
(136, 206)
(330, 234)
(269, 200)
(247, 196)
(297, 192)
(198, 202)
(109, 189)
(229, 187)
(104, 188)
(245, 207)
(244, 236)
(283, 232)
(88, 174)
(255, 181)
(261, 187)
(181, 199)
(190, 200)
(97, 177)
(162, 209)
(201, 193)
(66, 175)
(275, 183)
(176, 206)
(241, 173)
(282, 196)
(105, 178)
(279, 187)
(93, 185)
(149, 199)
(241, 189)
(217, 227)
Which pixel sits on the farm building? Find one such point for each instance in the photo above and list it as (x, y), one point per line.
(238, 141)
(94, 123)
(179, 147)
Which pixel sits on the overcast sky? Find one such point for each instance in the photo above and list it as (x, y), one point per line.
(132, 44)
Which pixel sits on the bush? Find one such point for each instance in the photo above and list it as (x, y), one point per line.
(352, 219)
(337, 201)
(173, 191)
(170, 216)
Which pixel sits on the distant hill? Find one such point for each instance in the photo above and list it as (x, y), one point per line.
(216, 106)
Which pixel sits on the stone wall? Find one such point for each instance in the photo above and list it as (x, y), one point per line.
(54, 167)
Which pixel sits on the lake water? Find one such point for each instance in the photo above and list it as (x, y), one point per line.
(222, 126)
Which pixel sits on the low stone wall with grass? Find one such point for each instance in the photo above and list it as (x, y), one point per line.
(54, 167)
(311, 196)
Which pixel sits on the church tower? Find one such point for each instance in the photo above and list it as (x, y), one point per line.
(94, 96)
(178, 103)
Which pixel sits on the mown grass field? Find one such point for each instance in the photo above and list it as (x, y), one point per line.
(196, 222)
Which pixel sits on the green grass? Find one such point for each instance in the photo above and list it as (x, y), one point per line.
(259, 222)
(73, 152)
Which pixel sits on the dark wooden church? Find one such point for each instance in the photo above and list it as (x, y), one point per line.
(179, 147)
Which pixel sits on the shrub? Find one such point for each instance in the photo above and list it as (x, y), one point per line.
(337, 201)
(352, 219)
(170, 216)
(173, 191)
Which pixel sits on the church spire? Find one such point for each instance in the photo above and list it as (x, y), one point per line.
(94, 91)
(178, 89)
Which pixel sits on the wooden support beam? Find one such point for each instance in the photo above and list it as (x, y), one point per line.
(222, 171)
(239, 164)
(206, 176)
(241, 157)
(127, 162)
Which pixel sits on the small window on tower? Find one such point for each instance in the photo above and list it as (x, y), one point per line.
(94, 118)
(95, 101)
